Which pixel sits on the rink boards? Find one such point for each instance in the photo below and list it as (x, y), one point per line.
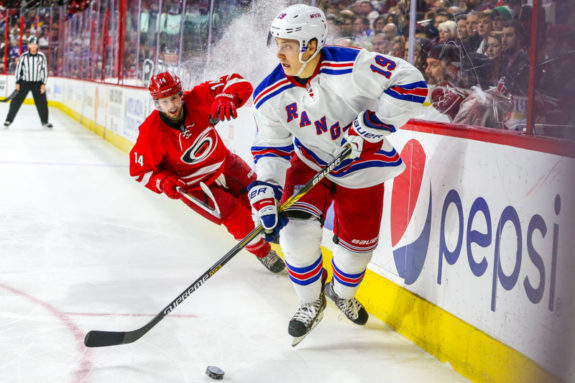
(475, 261)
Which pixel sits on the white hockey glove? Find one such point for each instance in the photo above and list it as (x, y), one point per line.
(366, 134)
(356, 143)
(264, 198)
(368, 126)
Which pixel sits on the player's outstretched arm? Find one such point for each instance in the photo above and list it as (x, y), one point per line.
(229, 92)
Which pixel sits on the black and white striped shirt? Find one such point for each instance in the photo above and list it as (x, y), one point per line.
(32, 68)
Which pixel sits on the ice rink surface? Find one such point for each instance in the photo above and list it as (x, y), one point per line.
(83, 247)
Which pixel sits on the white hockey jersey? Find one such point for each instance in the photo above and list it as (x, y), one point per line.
(312, 119)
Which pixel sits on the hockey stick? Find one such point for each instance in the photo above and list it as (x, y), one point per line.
(96, 338)
(215, 211)
(10, 97)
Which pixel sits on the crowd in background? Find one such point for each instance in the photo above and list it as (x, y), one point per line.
(473, 53)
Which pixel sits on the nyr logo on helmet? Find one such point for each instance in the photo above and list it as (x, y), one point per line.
(409, 258)
(281, 16)
(202, 147)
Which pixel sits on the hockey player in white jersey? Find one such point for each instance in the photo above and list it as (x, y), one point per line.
(317, 99)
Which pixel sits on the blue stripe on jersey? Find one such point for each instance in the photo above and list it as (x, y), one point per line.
(315, 158)
(336, 71)
(405, 97)
(370, 118)
(274, 93)
(331, 53)
(367, 164)
(276, 75)
(348, 166)
(345, 163)
(410, 93)
(283, 152)
(414, 85)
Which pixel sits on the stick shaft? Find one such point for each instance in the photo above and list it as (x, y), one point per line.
(97, 338)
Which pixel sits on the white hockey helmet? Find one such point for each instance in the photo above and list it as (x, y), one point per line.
(302, 23)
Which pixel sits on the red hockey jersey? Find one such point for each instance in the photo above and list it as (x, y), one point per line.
(195, 152)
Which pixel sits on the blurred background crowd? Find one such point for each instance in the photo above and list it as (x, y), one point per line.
(476, 55)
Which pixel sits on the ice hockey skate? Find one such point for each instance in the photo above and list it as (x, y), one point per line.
(352, 309)
(273, 262)
(306, 318)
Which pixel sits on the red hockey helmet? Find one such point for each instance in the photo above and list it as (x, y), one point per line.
(164, 85)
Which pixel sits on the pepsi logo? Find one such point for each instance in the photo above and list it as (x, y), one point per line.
(407, 189)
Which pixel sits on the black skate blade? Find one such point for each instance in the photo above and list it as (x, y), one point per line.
(298, 339)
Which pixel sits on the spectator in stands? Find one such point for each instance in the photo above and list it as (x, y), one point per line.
(332, 28)
(473, 39)
(442, 64)
(391, 18)
(515, 6)
(516, 70)
(461, 29)
(442, 72)
(501, 14)
(346, 23)
(446, 31)
(364, 8)
(429, 27)
(484, 28)
(494, 53)
(422, 48)
(390, 31)
(441, 16)
(361, 29)
(398, 47)
(380, 43)
(379, 23)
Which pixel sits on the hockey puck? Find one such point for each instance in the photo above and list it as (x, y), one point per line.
(215, 372)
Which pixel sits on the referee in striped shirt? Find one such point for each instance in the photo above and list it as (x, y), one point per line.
(31, 75)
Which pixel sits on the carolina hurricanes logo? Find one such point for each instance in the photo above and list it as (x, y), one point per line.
(202, 147)
(409, 258)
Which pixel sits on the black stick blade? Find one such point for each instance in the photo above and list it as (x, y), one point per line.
(104, 338)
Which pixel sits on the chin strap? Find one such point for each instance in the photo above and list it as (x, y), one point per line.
(304, 63)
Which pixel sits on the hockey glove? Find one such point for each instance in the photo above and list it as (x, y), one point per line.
(169, 185)
(264, 198)
(355, 141)
(224, 107)
(369, 127)
(366, 134)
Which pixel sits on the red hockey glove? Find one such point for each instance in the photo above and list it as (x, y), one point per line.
(169, 186)
(224, 107)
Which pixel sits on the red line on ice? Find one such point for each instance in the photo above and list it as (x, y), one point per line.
(85, 364)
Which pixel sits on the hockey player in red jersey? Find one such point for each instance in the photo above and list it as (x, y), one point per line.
(317, 99)
(179, 153)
